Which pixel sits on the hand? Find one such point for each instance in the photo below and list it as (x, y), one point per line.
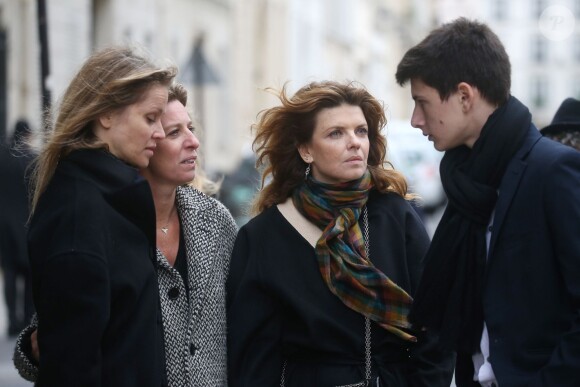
(34, 345)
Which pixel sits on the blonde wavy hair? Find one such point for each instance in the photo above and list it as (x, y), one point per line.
(201, 181)
(110, 79)
(280, 130)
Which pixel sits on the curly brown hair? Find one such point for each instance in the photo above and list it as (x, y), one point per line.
(282, 129)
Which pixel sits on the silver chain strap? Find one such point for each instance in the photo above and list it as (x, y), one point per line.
(368, 359)
(282, 380)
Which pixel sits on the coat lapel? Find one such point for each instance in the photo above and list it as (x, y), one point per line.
(509, 185)
(508, 188)
(197, 226)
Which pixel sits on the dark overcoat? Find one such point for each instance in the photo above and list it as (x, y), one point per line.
(531, 294)
(280, 311)
(92, 254)
(13, 207)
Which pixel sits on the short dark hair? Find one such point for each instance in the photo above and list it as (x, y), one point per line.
(460, 51)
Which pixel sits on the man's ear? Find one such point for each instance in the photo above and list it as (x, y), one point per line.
(466, 95)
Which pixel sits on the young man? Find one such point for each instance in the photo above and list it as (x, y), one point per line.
(501, 284)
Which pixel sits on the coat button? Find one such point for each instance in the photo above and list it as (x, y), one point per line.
(173, 293)
(192, 349)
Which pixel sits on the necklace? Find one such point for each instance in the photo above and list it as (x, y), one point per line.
(165, 229)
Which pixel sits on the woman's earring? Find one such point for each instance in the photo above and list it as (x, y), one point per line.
(307, 172)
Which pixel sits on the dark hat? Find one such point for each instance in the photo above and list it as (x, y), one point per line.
(567, 117)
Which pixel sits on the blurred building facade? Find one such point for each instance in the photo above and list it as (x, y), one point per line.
(229, 51)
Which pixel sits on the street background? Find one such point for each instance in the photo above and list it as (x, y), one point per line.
(230, 51)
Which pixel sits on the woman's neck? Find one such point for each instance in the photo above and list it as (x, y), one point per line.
(164, 198)
(168, 227)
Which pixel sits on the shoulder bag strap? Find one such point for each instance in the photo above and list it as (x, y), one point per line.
(312, 233)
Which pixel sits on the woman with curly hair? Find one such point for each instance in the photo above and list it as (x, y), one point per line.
(322, 278)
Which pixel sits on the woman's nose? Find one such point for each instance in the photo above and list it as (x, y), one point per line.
(158, 132)
(192, 140)
(354, 140)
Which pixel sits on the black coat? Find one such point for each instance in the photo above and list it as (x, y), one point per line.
(92, 253)
(279, 308)
(13, 207)
(531, 294)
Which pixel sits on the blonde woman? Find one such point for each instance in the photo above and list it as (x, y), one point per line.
(195, 236)
(92, 229)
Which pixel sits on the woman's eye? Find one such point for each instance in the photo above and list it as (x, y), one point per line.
(191, 129)
(362, 131)
(335, 134)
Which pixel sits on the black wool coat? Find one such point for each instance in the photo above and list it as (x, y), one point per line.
(281, 311)
(13, 207)
(92, 255)
(531, 289)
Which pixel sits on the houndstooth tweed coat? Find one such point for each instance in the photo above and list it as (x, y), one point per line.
(194, 329)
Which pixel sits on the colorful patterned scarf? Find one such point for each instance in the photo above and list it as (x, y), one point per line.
(341, 253)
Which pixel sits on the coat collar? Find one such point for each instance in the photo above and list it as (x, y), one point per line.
(511, 181)
(122, 185)
(199, 225)
(198, 228)
(105, 170)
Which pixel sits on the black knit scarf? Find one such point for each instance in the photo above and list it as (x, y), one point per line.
(449, 298)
